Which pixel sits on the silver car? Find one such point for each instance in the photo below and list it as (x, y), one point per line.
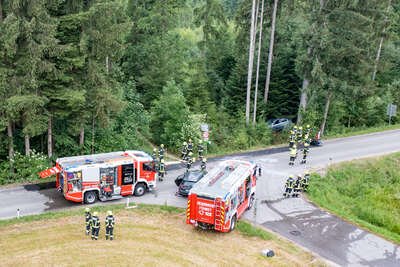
(279, 124)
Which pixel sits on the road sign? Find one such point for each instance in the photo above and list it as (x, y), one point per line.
(204, 127)
(391, 110)
(205, 136)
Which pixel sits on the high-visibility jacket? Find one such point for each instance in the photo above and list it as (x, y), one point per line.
(293, 152)
(298, 183)
(161, 151)
(95, 222)
(289, 183)
(200, 148)
(110, 221)
(162, 168)
(88, 217)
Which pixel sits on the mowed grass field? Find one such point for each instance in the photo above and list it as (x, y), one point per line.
(144, 237)
(366, 192)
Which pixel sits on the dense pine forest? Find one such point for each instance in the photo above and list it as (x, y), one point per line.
(88, 76)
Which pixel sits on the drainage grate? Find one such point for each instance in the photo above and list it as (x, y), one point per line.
(295, 233)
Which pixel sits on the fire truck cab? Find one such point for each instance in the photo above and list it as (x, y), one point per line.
(104, 176)
(221, 197)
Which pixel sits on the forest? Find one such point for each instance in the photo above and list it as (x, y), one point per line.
(90, 76)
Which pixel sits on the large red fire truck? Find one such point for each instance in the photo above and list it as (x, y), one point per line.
(104, 176)
(220, 198)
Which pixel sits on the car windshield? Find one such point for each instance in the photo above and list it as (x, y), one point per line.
(192, 176)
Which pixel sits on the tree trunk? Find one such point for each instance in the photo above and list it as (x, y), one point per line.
(50, 137)
(82, 136)
(251, 60)
(328, 102)
(93, 131)
(271, 51)
(378, 53)
(1, 10)
(27, 145)
(303, 100)
(258, 63)
(10, 140)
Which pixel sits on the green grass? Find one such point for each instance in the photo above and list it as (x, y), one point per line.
(346, 132)
(366, 192)
(247, 229)
(146, 208)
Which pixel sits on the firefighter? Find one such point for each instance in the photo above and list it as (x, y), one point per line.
(305, 181)
(295, 130)
(297, 186)
(184, 151)
(161, 170)
(190, 146)
(306, 149)
(300, 134)
(110, 221)
(203, 165)
(308, 130)
(259, 170)
(154, 154)
(292, 139)
(190, 161)
(95, 223)
(161, 152)
(88, 218)
(200, 149)
(289, 186)
(293, 155)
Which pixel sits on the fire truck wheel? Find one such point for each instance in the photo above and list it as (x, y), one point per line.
(233, 223)
(140, 189)
(90, 197)
(251, 203)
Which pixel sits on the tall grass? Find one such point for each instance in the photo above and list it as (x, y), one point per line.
(365, 192)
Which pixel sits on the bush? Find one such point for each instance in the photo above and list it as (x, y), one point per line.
(26, 168)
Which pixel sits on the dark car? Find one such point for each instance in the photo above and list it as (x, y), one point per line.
(279, 124)
(186, 181)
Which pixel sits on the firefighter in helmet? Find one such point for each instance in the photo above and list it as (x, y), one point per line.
(184, 151)
(289, 186)
(161, 170)
(88, 218)
(298, 186)
(300, 134)
(292, 154)
(95, 223)
(190, 161)
(308, 130)
(306, 149)
(305, 181)
(292, 139)
(203, 165)
(110, 222)
(154, 154)
(190, 146)
(200, 149)
(161, 152)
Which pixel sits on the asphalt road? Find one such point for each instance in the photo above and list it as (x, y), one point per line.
(339, 242)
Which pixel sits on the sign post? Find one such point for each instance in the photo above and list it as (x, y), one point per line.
(391, 111)
(205, 134)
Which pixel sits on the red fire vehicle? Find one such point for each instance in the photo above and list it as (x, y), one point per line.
(104, 176)
(220, 198)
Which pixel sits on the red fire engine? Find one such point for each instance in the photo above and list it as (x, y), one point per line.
(104, 176)
(220, 198)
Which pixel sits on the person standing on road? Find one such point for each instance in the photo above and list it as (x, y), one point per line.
(154, 154)
(305, 181)
(110, 222)
(88, 218)
(200, 149)
(161, 152)
(289, 186)
(190, 161)
(161, 171)
(297, 186)
(293, 155)
(306, 149)
(190, 146)
(292, 139)
(203, 165)
(299, 134)
(95, 223)
(184, 151)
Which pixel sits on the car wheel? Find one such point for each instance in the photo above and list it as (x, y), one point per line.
(140, 189)
(90, 197)
(233, 223)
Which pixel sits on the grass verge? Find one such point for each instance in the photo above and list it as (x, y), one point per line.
(149, 235)
(366, 192)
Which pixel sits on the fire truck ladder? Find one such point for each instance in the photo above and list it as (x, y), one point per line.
(219, 214)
